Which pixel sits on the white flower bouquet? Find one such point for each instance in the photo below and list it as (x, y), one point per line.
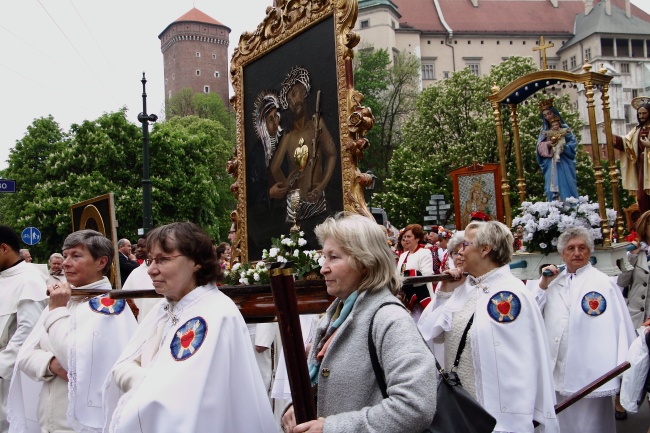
(305, 264)
(543, 222)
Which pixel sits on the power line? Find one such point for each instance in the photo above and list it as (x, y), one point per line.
(110, 64)
(108, 92)
(53, 60)
(46, 88)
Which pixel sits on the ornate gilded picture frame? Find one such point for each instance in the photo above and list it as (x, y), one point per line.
(477, 188)
(300, 126)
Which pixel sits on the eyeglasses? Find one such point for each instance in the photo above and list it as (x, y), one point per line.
(160, 261)
(465, 244)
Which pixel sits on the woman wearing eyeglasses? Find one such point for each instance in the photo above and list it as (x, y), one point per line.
(504, 363)
(190, 366)
(75, 342)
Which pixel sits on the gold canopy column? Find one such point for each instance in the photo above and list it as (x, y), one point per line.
(521, 182)
(598, 169)
(505, 188)
(613, 170)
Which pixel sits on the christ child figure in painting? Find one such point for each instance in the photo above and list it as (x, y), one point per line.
(309, 151)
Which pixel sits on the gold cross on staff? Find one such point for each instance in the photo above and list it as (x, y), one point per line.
(543, 47)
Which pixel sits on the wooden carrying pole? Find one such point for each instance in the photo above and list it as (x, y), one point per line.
(286, 305)
(256, 304)
(581, 393)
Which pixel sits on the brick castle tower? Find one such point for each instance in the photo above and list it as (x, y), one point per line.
(195, 55)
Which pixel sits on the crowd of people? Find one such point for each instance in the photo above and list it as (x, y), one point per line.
(71, 361)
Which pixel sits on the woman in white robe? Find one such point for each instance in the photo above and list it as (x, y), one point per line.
(190, 366)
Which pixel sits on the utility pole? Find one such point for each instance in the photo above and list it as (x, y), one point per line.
(146, 182)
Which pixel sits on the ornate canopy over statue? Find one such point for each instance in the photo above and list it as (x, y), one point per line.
(529, 85)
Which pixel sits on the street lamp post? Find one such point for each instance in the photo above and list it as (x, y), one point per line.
(146, 182)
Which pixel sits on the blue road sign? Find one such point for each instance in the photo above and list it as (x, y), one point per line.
(31, 235)
(7, 185)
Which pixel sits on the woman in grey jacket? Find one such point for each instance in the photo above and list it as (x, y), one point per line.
(638, 278)
(359, 270)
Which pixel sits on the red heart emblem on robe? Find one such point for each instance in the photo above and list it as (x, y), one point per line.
(107, 302)
(504, 307)
(187, 339)
(594, 304)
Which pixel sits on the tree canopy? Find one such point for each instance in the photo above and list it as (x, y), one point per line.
(54, 170)
(452, 127)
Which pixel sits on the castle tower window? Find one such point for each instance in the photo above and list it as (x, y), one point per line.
(206, 89)
(198, 72)
(216, 74)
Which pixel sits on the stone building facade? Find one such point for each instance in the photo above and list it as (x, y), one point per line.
(450, 35)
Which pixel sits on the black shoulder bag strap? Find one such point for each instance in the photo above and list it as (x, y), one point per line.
(379, 374)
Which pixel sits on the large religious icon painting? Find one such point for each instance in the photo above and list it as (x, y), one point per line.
(290, 84)
(477, 188)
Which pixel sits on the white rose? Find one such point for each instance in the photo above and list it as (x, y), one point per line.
(244, 281)
(273, 252)
(302, 242)
(256, 277)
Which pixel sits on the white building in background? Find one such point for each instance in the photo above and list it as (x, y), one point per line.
(450, 35)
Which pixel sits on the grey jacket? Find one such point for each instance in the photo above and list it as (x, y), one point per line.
(638, 278)
(348, 395)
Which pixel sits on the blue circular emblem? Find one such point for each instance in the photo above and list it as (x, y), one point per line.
(594, 304)
(189, 337)
(504, 307)
(104, 305)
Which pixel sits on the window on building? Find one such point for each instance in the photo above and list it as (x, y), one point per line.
(573, 62)
(588, 54)
(552, 66)
(365, 24)
(637, 48)
(622, 48)
(565, 65)
(206, 89)
(216, 74)
(198, 54)
(428, 71)
(607, 47)
(469, 42)
(635, 93)
(428, 42)
(445, 74)
(198, 72)
(625, 68)
(393, 25)
(214, 56)
(475, 68)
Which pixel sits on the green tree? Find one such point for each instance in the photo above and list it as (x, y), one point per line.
(27, 166)
(453, 126)
(205, 106)
(189, 180)
(390, 90)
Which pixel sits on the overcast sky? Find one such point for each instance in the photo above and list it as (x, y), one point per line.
(77, 59)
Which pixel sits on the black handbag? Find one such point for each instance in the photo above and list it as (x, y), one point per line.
(456, 410)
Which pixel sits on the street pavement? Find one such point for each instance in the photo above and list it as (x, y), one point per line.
(636, 422)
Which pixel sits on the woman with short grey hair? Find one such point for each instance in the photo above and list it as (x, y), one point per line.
(502, 362)
(359, 270)
(574, 232)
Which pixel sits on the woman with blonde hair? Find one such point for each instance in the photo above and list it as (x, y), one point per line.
(359, 271)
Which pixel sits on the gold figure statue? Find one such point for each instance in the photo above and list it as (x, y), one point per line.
(301, 154)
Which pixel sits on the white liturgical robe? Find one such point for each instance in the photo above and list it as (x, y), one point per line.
(190, 367)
